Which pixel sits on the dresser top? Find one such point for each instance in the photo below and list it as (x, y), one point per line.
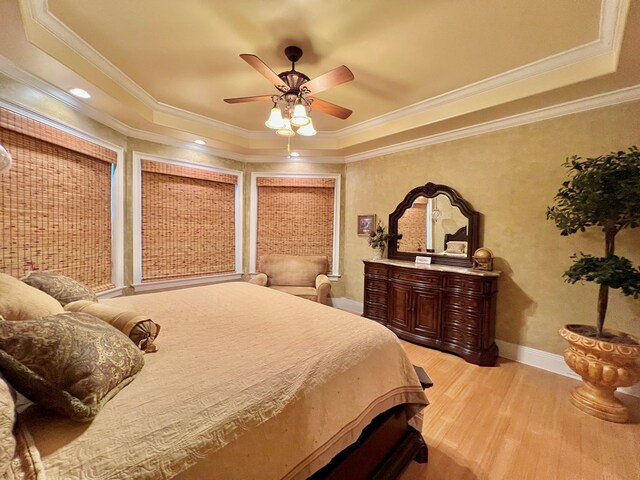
(436, 267)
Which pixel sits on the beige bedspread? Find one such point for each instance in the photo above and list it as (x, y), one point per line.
(248, 383)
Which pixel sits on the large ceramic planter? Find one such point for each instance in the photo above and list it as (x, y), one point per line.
(604, 367)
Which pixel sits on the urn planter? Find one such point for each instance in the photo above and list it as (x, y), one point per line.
(604, 367)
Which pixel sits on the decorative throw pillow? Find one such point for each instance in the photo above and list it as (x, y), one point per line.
(60, 287)
(7, 418)
(139, 328)
(19, 301)
(456, 247)
(72, 363)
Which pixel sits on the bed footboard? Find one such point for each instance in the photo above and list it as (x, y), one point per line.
(383, 450)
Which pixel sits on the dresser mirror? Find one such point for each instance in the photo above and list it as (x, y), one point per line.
(434, 221)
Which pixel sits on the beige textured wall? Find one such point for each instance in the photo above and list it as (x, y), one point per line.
(510, 176)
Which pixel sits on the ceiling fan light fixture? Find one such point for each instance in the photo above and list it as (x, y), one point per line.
(307, 130)
(299, 117)
(286, 130)
(275, 120)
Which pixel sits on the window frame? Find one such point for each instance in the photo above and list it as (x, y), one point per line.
(117, 192)
(253, 216)
(137, 283)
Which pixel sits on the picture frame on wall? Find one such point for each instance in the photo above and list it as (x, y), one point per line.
(366, 224)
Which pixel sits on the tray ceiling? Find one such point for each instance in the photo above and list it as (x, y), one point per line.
(421, 67)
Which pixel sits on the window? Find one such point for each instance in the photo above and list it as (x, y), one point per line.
(188, 223)
(295, 214)
(56, 203)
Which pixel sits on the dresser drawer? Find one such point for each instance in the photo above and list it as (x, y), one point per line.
(460, 301)
(462, 337)
(424, 279)
(468, 284)
(375, 312)
(376, 297)
(462, 320)
(377, 269)
(375, 284)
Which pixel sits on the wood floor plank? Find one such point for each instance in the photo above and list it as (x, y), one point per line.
(515, 422)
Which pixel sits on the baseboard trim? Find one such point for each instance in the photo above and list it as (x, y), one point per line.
(550, 362)
(344, 303)
(547, 361)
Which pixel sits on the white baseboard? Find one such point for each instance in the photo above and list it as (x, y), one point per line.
(529, 356)
(347, 304)
(547, 361)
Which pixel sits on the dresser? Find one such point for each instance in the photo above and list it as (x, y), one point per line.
(445, 307)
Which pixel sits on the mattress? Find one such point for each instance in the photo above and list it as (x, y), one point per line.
(248, 382)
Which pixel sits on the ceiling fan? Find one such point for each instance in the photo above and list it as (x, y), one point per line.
(297, 94)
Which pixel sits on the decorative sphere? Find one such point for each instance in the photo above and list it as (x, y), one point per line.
(483, 253)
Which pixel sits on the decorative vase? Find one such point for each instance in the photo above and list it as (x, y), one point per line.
(604, 367)
(377, 253)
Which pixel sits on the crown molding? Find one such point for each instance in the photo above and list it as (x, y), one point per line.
(611, 29)
(13, 72)
(624, 95)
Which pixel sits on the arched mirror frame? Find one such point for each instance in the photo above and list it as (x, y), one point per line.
(431, 190)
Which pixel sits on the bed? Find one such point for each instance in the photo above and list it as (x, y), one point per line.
(456, 243)
(248, 383)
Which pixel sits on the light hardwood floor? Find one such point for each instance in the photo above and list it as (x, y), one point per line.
(515, 422)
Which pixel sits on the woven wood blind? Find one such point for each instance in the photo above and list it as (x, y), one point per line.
(55, 211)
(188, 224)
(295, 216)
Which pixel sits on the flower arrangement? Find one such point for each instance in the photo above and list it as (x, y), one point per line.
(378, 237)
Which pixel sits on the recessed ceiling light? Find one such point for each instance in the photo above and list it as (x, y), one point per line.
(200, 142)
(295, 154)
(80, 93)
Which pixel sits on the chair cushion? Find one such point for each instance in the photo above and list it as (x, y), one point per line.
(309, 293)
(293, 270)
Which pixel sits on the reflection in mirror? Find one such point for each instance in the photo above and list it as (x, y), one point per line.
(433, 225)
(434, 221)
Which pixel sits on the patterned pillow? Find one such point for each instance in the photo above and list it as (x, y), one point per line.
(139, 328)
(72, 363)
(19, 301)
(60, 287)
(7, 418)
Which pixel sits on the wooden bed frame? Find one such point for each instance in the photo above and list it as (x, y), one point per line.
(460, 235)
(383, 450)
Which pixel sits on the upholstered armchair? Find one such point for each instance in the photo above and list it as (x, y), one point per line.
(300, 275)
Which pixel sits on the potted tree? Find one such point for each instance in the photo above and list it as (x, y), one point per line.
(601, 192)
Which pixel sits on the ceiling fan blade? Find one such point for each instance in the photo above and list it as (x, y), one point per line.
(256, 98)
(264, 70)
(330, 108)
(327, 80)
